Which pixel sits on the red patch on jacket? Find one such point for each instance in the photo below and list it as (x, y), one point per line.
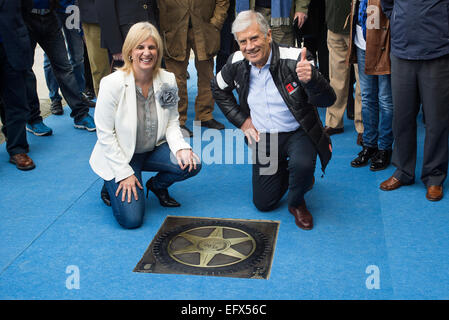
(289, 87)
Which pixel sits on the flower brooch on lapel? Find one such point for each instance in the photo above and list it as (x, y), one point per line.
(168, 96)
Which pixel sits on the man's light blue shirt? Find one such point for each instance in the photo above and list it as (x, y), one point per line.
(269, 113)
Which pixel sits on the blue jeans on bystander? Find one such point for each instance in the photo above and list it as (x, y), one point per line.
(75, 48)
(377, 107)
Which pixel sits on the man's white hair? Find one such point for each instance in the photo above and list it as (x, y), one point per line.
(245, 19)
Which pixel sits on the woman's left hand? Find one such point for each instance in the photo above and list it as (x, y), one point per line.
(186, 157)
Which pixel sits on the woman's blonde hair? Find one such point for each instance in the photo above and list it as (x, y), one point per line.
(138, 33)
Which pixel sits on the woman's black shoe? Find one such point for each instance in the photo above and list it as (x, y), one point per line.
(105, 197)
(162, 194)
(364, 156)
(381, 160)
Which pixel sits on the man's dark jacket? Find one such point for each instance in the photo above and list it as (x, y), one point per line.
(301, 99)
(337, 12)
(16, 40)
(419, 29)
(88, 11)
(117, 16)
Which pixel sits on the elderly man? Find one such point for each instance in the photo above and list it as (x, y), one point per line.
(278, 90)
(419, 75)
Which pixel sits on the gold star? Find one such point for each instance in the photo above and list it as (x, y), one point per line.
(208, 247)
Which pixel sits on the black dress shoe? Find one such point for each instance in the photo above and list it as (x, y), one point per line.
(162, 194)
(90, 94)
(364, 156)
(186, 132)
(381, 160)
(56, 108)
(212, 124)
(87, 101)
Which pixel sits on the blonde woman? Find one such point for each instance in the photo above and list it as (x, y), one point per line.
(138, 130)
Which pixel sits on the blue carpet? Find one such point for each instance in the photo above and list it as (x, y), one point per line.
(52, 218)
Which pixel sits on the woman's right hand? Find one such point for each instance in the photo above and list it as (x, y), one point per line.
(128, 187)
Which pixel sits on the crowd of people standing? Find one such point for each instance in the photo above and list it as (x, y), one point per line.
(399, 58)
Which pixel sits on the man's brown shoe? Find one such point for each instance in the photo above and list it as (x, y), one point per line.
(391, 184)
(434, 193)
(303, 218)
(22, 161)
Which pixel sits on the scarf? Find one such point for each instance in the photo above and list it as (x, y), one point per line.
(241, 5)
(362, 16)
(280, 11)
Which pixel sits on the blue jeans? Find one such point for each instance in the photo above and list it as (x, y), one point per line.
(75, 49)
(377, 107)
(130, 215)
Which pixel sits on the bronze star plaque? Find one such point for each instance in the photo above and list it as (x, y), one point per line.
(213, 247)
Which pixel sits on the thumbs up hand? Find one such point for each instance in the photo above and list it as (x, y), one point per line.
(304, 68)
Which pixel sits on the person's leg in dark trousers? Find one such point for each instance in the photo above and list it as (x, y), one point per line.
(268, 190)
(52, 84)
(3, 117)
(350, 103)
(301, 166)
(406, 103)
(34, 115)
(317, 45)
(75, 49)
(433, 79)
(323, 53)
(15, 107)
(88, 76)
(295, 163)
(227, 40)
(45, 31)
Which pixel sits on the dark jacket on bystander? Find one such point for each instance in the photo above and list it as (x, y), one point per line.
(419, 29)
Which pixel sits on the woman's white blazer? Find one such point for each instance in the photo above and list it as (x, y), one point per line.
(116, 122)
